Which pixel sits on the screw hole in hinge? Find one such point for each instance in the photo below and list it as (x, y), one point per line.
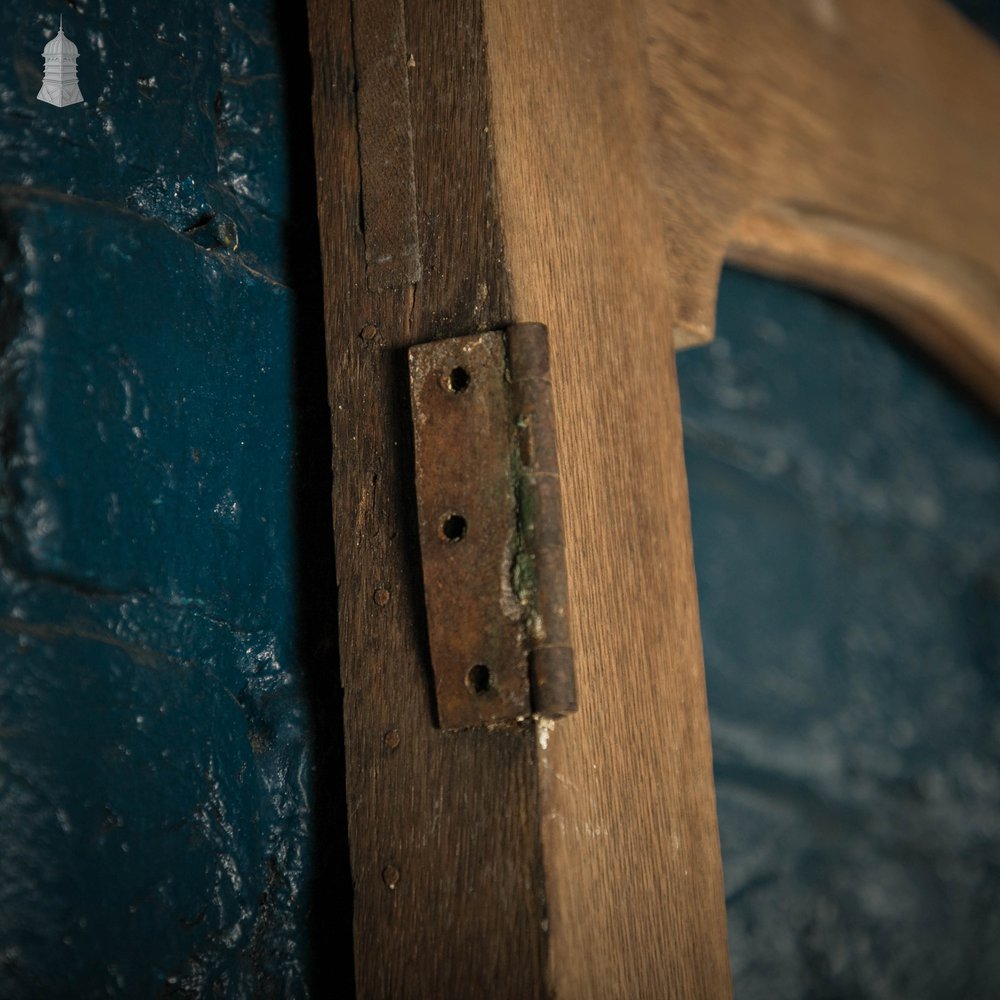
(458, 380)
(478, 679)
(453, 528)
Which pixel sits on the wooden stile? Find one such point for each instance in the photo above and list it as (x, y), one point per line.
(588, 165)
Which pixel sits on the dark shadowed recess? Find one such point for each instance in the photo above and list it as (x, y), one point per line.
(330, 908)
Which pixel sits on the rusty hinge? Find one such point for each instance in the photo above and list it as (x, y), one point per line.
(491, 536)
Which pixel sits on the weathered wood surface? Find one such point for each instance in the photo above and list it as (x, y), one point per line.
(444, 827)
(582, 860)
(589, 166)
(631, 849)
(850, 144)
(385, 145)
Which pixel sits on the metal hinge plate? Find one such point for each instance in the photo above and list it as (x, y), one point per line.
(491, 536)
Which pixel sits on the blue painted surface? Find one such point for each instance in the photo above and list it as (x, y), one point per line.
(845, 506)
(183, 115)
(162, 533)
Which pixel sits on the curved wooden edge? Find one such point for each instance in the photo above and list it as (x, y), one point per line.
(950, 307)
(851, 146)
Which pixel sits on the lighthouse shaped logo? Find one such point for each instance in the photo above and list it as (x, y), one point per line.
(59, 85)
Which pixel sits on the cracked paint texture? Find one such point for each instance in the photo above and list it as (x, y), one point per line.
(154, 766)
(182, 119)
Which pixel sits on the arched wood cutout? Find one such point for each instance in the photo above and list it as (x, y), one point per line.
(588, 164)
(849, 144)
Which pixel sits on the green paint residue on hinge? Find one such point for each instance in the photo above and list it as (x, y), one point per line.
(524, 575)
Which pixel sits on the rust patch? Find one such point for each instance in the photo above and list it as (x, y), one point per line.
(490, 519)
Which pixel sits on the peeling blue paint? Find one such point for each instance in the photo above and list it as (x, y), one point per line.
(157, 786)
(183, 116)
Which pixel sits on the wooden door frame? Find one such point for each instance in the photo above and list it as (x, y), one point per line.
(589, 165)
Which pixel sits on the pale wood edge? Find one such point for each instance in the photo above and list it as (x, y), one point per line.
(633, 874)
(854, 147)
(949, 306)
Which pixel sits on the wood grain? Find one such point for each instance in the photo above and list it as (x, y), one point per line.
(454, 895)
(385, 145)
(631, 849)
(589, 165)
(848, 144)
(444, 830)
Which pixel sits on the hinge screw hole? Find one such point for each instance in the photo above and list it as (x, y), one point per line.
(458, 380)
(453, 528)
(478, 679)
